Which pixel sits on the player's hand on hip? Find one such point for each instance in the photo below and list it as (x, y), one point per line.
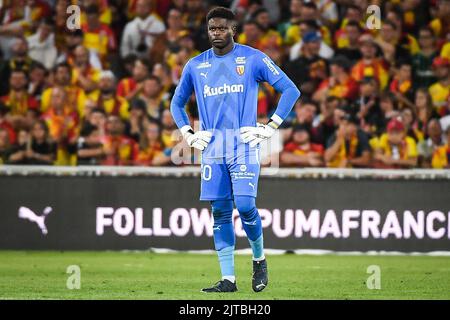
(254, 135)
(198, 140)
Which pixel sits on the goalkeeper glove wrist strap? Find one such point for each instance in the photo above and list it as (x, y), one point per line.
(275, 121)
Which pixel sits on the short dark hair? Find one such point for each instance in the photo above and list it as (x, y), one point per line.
(98, 110)
(88, 129)
(259, 11)
(390, 23)
(62, 65)
(48, 21)
(310, 23)
(353, 23)
(220, 12)
(92, 9)
(154, 78)
(253, 22)
(310, 5)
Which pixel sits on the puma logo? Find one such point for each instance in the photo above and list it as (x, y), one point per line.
(251, 185)
(27, 214)
(204, 74)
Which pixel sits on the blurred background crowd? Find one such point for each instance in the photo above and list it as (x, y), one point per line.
(371, 97)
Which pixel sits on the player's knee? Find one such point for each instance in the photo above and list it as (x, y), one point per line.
(246, 206)
(222, 211)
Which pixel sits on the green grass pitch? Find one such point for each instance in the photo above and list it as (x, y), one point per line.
(144, 275)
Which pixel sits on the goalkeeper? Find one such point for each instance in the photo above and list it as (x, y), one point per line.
(225, 79)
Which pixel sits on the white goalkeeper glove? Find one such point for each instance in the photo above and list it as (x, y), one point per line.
(255, 135)
(198, 140)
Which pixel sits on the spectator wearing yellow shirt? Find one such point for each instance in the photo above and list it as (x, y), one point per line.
(307, 27)
(441, 24)
(349, 146)
(445, 51)
(295, 17)
(308, 12)
(187, 49)
(440, 90)
(97, 35)
(395, 149)
(104, 11)
(106, 98)
(76, 97)
(441, 155)
(353, 13)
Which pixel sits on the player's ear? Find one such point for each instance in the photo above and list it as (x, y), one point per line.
(233, 28)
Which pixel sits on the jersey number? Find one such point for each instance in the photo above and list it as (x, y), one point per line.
(206, 172)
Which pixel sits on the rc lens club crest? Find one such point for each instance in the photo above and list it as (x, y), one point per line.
(240, 69)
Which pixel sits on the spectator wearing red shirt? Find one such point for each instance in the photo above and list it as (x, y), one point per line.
(339, 83)
(130, 87)
(300, 151)
(6, 125)
(18, 101)
(62, 122)
(151, 147)
(370, 65)
(401, 86)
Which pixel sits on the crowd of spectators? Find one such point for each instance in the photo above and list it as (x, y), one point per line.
(374, 95)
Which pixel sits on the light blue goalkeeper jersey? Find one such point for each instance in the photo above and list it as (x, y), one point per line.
(226, 90)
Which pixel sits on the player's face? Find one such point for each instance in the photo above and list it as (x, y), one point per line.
(220, 32)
